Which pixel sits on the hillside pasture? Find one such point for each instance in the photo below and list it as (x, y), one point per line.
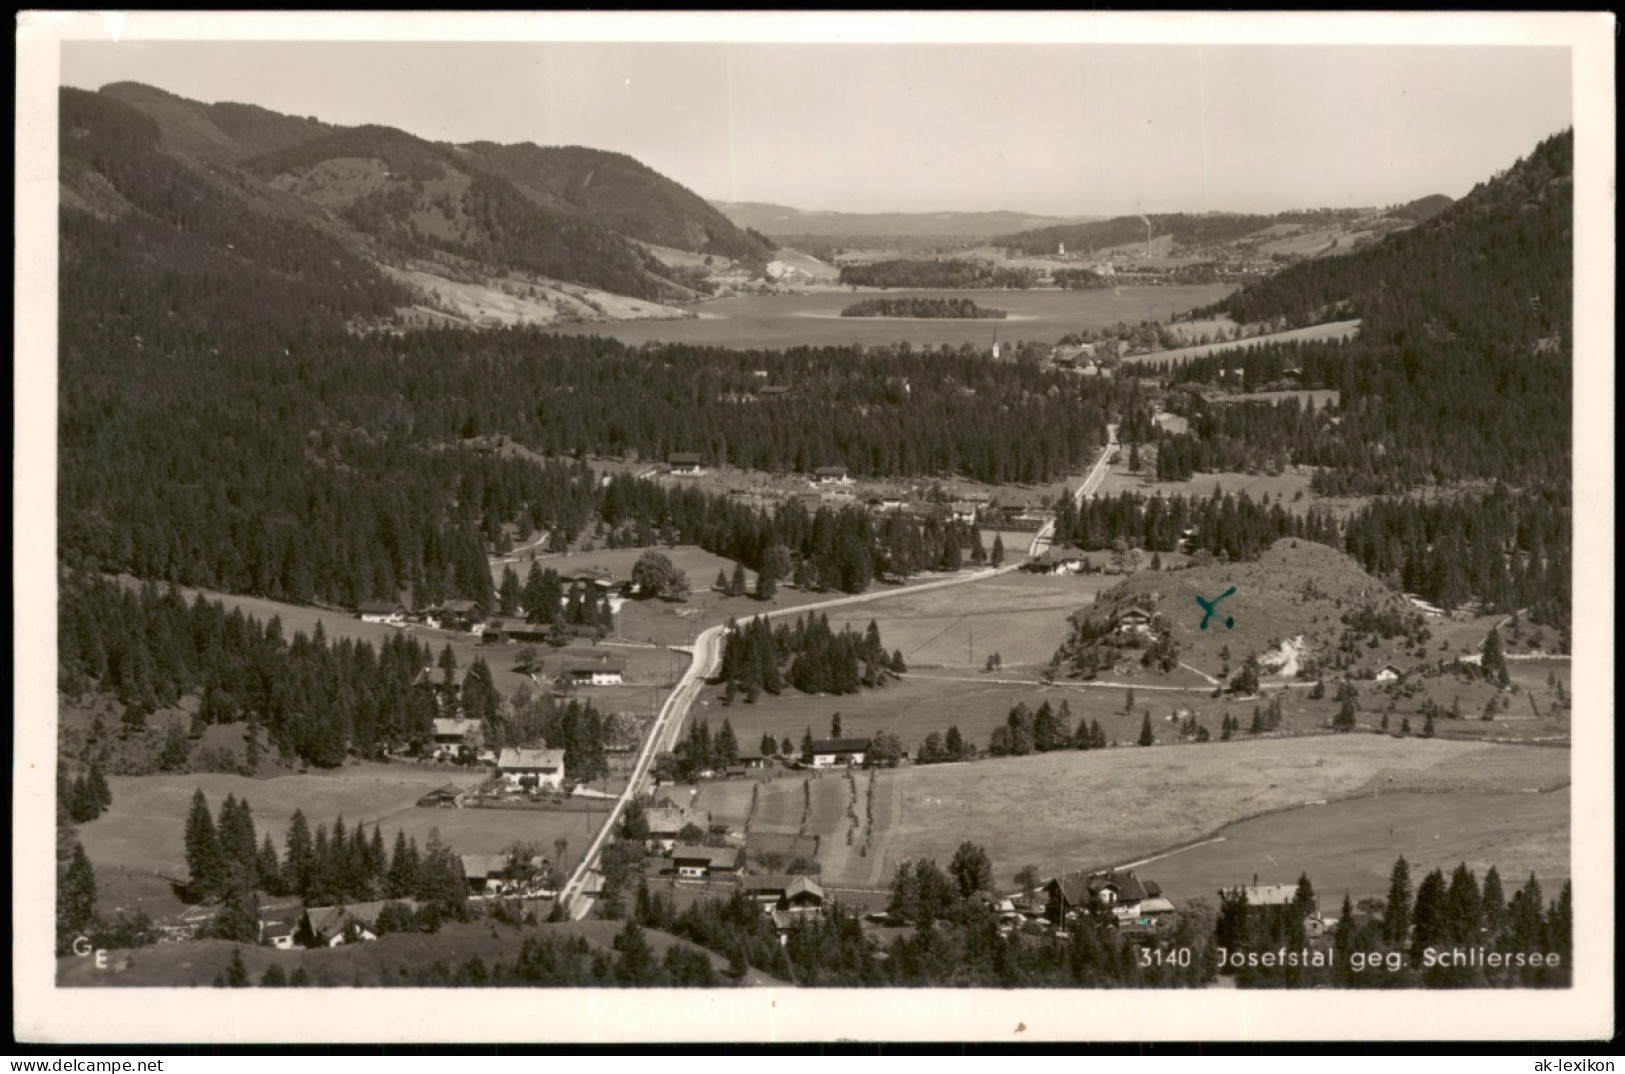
(1020, 616)
(1070, 811)
(1329, 330)
(726, 800)
(145, 828)
(1349, 847)
(1284, 487)
(781, 808)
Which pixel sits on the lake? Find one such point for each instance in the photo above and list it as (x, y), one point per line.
(774, 321)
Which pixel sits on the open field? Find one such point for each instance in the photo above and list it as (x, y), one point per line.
(144, 829)
(1072, 811)
(1330, 330)
(1284, 487)
(781, 808)
(1350, 846)
(530, 301)
(1020, 616)
(727, 801)
(813, 319)
(389, 960)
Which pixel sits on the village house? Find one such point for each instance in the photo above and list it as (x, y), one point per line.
(1262, 896)
(962, 511)
(773, 391)
(833, 752)
(666, 824)
(604, 671)
(1132, 902)
(1133, 621)
(703, 863)
(455, 615)
(790, 896)
(437, 678)
(684, 463)
(447, 797)
(750, 757)
(830, 475)
(279, 926)
(332, 926)
(1388, 673)
(522, 768)
(497, 874)
(374, 611)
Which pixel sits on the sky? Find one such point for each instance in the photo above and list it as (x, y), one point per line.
(1081, 128)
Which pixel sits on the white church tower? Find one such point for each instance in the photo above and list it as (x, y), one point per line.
(995, 346)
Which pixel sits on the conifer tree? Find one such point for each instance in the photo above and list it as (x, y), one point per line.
(1396, 920)
(97, 782)
(1430, 923)
(299, 864)
(75, 898)
(1492, 903)
(268, 868)
(206, 869)
(1146, 736)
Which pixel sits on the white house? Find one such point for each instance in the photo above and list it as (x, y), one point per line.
(699, 863)
(833, 752)
(830, 475)
(1388, 673)
(603, 672)
(684, 463)
(373, 611)
(516, 764)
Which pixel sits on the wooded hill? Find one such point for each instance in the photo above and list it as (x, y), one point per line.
(1188, 230)
(564, 213)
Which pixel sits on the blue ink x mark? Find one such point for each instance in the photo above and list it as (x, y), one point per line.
(1208, 605)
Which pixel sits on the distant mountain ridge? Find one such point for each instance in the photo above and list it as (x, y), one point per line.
(780, 220)
(564, 213)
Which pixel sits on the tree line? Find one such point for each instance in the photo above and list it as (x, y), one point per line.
(324, 867)
(820, 661)
(946, 273)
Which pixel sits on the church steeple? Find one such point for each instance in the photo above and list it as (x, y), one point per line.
(995, 345)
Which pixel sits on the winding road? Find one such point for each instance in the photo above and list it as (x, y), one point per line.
(707, 653)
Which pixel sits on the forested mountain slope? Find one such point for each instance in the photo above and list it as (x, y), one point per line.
(556, 213)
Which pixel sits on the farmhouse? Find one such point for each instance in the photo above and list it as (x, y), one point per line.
(331, 926)
(1133, 620)
(666, 824)
(684, 463)
(751, 758)
(536, 768)
(1388, 673)
(447, 797)
(962, 511)
(831, 752)
(798, 896)
(1133, 902)
(498, 874)
(773, 391)
(701, 863)
(1270, 894)
(602, 672)
(830, 475)
(382, 612)
(279, 927)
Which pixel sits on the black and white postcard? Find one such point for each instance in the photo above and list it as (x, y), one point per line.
(1006, 526)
